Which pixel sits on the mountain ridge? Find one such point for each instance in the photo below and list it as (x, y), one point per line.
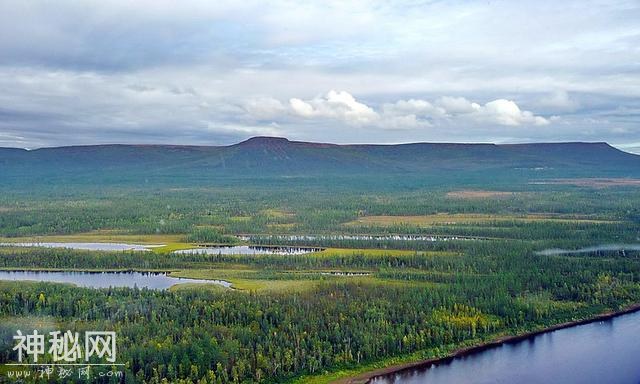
(267, 140)
(277, 157)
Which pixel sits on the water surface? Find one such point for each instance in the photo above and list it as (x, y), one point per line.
(249, 250)
(348, 274)
(428, 238)
(601, 352)
(151, 280)
(86, 246)
(597, 248)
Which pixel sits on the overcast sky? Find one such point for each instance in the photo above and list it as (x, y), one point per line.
(212, 72)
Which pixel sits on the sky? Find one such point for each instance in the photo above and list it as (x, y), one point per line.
(217, 72)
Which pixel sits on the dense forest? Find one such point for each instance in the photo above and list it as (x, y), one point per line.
(287, 319)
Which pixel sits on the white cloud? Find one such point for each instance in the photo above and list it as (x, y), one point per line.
(412, 113)
(264, 108)
(559, 101)
(301, 108)
(69, 79)
(335, 105)
(413, 106)
(507, 112)
(457, 105)
(499, 111)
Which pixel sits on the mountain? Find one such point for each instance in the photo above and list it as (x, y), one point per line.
(261, 157)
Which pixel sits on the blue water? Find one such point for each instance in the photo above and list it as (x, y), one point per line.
(249, 250)
(598, 248)
(606, 352)
(85, 246)
(106, 279)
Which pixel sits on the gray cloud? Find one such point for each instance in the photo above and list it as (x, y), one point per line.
(217, 72)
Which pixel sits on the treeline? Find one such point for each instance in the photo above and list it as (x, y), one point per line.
(231, 337)
(467, 257)
(311, 209)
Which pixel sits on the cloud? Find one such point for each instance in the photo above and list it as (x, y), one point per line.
(338, 105)
(205, 72)
(413, 106)
(559, 101)
(301, 108)
(412, 113)
(506, 112)
(264, 108)
(457, 105)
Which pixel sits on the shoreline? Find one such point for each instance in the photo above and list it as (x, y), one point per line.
(366, 377)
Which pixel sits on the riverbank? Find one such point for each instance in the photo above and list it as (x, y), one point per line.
(365, 377)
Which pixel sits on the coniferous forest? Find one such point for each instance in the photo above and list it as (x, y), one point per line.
(396, 273)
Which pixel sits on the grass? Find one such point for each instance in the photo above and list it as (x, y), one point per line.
(276, 213)
(104, 236)
(246, 279)
(170, 242)
(174, 246)
(199, 286)
(466, 218)
(240, 219)
(478, 194)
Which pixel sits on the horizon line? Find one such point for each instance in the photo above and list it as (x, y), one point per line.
(285, 139)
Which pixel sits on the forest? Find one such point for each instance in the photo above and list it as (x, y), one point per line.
(292, 317)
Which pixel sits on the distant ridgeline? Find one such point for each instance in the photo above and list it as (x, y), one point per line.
(269, 158)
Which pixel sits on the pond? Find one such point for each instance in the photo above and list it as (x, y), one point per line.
(601, 352)
(348, 274)
(595, 249)
(87, 246)
(427, 238)
(249, 250)
(151, 280)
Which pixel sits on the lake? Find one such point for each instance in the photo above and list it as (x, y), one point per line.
(86, 246)
(151, 280)
(426, 238)
(249, 250)
(348, 274)
(600, 352)
(598, 248)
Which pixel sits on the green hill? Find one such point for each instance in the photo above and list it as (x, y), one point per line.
(268, 157)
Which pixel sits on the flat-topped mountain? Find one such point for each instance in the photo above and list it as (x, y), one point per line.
(279, 157)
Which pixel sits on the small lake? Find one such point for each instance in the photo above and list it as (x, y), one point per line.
(428, 238)
(600, 352)
(86, 246)
(595, 249)
(249, 250)
(151, 280)
(347, 274)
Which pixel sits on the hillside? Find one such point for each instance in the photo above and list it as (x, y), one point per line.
(279, 157)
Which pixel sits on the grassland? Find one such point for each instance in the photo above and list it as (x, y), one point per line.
(469, 218)
(479, 194)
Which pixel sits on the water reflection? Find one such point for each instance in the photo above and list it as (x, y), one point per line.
(431, 238)
(249, 250)
(598, 248)
(151, 280)
(86, 246)
(601, 352)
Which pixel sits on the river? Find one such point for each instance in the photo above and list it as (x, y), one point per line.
(601, 352)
